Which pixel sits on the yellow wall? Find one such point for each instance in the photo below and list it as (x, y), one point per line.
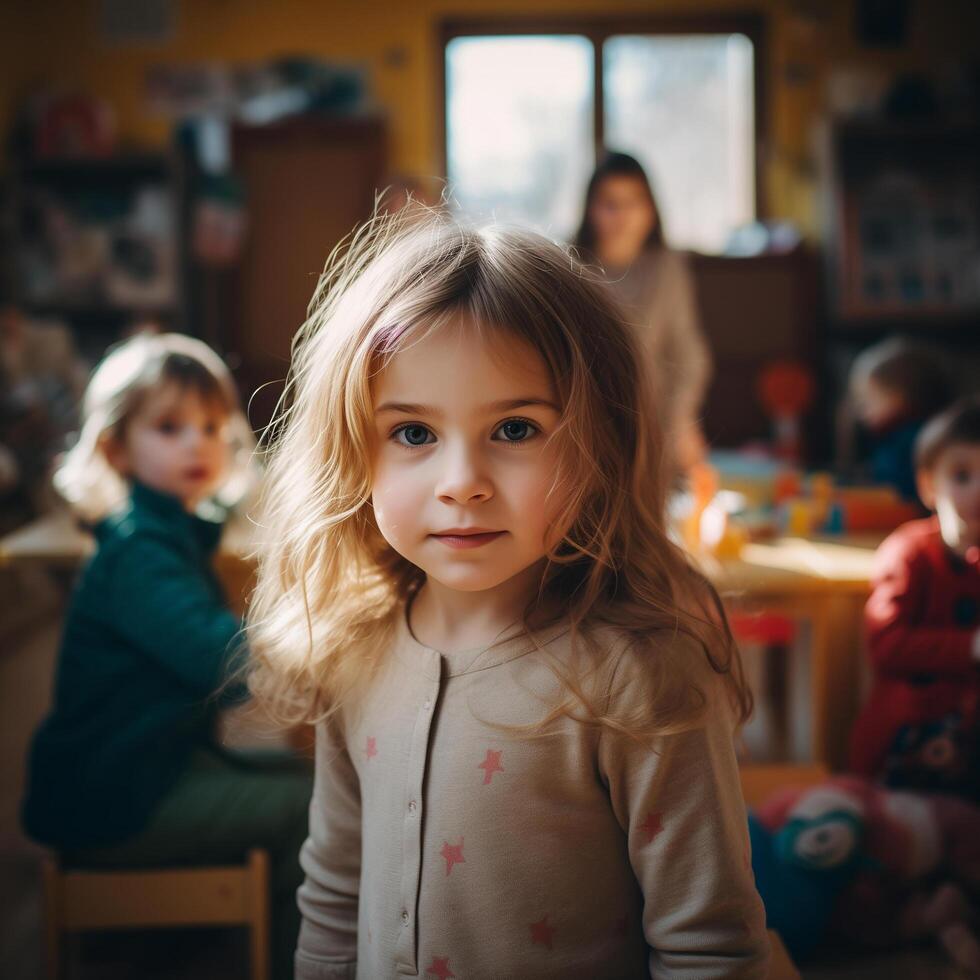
(58, 41)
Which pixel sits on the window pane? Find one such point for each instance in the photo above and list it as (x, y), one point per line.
(519, 128)
(683, 106)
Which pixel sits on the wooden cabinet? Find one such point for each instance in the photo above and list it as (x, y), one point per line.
(755, 311)
(307, 183)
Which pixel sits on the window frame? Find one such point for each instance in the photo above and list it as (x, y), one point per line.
(598, 30)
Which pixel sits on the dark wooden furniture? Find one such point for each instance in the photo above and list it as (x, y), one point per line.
(755, 311)
(308, 182)
(78, 245)
(903, 222)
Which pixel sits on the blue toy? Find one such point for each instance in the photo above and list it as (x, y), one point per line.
(801, 869)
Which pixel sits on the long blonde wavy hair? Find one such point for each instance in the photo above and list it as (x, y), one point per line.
(330, 586)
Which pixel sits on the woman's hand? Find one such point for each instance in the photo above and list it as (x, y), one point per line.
(690, 447)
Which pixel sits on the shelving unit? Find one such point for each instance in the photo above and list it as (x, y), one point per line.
(97, 243)
(904, 227)
(901, 208)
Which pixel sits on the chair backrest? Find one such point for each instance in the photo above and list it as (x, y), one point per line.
(85, 900)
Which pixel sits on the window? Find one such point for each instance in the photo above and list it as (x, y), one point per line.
(683, 107)
(519, 128)
(522, 123)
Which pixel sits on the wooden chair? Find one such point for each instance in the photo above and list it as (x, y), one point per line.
(88, 900)
(776, 634)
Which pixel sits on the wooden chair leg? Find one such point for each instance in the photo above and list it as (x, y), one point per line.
(776, 657)
(54, 951)
(259, 951)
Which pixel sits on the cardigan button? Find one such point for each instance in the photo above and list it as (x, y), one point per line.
(412, 806)
(404, 917)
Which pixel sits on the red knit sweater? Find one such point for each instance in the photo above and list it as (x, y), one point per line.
(919, 624)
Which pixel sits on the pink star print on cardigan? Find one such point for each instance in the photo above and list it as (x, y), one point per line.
(453, 853)
(638, 871)
(490, 765)
(652, 826)
(440, 967)
(542, 933)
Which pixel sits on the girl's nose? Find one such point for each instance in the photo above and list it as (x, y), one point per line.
(194, 437)
(463, 479)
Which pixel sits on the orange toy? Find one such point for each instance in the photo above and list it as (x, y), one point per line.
(786, 390)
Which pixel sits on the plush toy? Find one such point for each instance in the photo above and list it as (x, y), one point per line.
(880, 867)
(804, 854)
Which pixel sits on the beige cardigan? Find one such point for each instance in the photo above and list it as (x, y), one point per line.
(656, 293)
(441, 846)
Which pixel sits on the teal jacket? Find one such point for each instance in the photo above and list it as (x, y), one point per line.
(146, 652)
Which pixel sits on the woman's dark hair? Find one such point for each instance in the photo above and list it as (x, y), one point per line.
(616, 165)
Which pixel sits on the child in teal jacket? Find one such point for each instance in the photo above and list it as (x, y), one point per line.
(148, 642)
(124, 770)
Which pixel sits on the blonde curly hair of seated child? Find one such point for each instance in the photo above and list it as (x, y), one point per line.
(130, 373)
(330, 586)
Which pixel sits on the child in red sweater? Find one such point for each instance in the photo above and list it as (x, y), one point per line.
(920, 726)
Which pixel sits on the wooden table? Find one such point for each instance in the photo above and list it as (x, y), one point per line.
(56, 541)
(824, 582)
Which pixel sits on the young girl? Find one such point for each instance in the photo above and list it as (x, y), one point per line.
(524, 696)
(123, 771)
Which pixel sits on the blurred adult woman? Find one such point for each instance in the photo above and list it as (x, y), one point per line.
(621, 230)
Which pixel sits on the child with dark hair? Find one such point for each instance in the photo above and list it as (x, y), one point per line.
(895, 387)
(920, 725)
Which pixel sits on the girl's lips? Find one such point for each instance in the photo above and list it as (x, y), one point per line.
(477, 540)
(196, 473)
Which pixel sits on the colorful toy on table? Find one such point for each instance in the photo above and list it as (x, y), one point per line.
(774, 495)
(849, 860)
(873, 508)
(822, 497)
(751, 473)
(786, 390)
(704, 485)
(735, 499)
(830, 509)
(709, 526)
(802, 505)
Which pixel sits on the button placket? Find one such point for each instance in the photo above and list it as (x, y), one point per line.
(406, 948)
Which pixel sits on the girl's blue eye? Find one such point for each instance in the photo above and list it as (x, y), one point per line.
(517, 430)
(413, 435)
(168, 427)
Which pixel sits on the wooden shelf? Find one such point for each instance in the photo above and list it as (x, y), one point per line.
(73, 183)
(97, 309)
(134, 166)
